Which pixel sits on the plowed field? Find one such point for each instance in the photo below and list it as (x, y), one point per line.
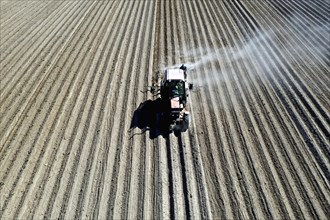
(74, 75)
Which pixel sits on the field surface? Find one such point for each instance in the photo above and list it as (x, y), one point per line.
(78, 137)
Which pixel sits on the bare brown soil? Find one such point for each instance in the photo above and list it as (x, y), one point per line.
(74, 73)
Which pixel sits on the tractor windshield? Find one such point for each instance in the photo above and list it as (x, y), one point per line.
(176, 89)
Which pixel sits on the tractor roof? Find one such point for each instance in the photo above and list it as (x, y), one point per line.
(174, 74)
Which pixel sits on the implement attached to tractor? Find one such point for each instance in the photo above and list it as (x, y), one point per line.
(174, 92)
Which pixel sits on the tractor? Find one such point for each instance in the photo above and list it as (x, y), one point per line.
(174, 91)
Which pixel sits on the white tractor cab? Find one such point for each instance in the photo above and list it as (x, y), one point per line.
(174, 93)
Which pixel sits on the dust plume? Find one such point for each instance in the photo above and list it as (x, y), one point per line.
(297, 43)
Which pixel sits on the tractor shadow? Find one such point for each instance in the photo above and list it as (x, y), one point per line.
(150, 116)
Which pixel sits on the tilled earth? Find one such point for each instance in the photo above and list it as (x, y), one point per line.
(76, 74)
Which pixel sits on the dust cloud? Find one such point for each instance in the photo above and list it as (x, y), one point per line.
(298, 42)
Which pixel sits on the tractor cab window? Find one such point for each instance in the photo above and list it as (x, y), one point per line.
(176, 88)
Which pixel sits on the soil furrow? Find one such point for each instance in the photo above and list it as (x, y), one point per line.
(136, 200)
(248, 155)
(135, 60)
(196, 205)
(88, 88)
(165, 188)
(310, 78)
(95, 107)
(307, 120)
(9, 9)
(297, 153)
(23, 13)
(311, 12)
(59, 112)
(84, 188)
(65, 123)
(309, 18)
(25, 25)
(239, 68)
(107, 127)
(33, 65)
(119, 127)
(299, 83)
(184, 177)
(285, 105)
(229, 132)
(39, 131)
(213, 177)
(32, 102)
(145, 189)
(300, 27)
(261, 154)
(179, 193)
(320, 6)
(79, 138)
(195, 195)
(157, 193)
(20, 48)
(261, 125)
(32, 123)
(33, 89)
(278, 60)
(205, 95)
(302, 97)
